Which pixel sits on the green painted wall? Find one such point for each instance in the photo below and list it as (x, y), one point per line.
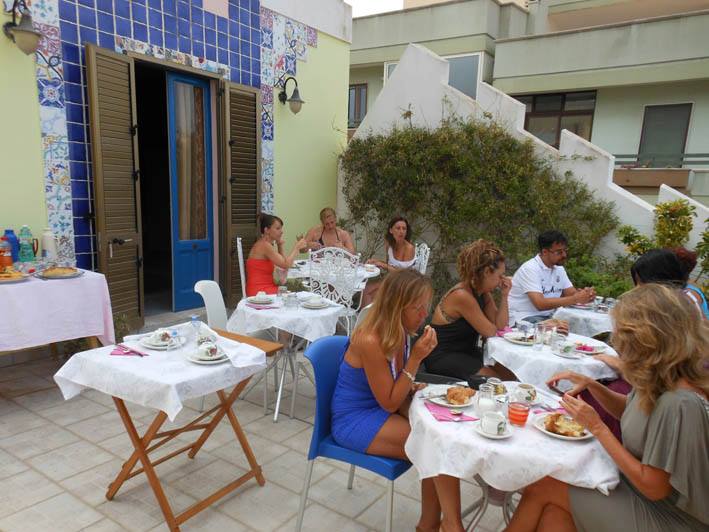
(307, 145)
(21, 178)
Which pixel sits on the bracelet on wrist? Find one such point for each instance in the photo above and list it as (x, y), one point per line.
(409, 375)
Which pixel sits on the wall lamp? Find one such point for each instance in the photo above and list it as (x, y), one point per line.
(294, 102)
(23, 33)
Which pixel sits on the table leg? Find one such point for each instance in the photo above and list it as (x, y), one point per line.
(93, 342)
(140, 445)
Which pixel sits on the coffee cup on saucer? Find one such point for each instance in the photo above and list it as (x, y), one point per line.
(208, 351)
(525, 393)
(493, 423)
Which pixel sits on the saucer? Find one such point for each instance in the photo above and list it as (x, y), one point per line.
(477, 428)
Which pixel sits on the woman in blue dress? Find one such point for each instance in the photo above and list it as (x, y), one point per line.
(376, 382)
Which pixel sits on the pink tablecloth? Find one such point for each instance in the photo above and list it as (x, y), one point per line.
(37, 312)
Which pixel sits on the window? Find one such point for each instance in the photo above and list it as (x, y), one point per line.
(357, 107)
(548, 114)
(664, 135)
(463, 74)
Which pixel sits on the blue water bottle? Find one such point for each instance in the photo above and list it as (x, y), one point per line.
(14, 244)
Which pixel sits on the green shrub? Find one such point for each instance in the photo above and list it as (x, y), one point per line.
(610, 278)
(466, 180)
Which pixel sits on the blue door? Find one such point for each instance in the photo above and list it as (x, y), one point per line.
(189, 135)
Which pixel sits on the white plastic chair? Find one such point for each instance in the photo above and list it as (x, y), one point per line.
(214, 302)
(421, 257)
(333, 275)
(242, 272)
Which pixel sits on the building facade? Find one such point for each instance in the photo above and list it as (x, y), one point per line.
(149, 134)
(631, 76)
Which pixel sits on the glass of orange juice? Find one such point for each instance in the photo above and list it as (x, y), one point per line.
(518, 413)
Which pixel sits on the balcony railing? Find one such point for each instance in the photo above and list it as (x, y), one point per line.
(661, 160)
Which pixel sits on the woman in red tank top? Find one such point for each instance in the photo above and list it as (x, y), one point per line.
(264, 256)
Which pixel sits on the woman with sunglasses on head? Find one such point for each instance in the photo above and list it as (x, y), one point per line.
(468, 311)
(376, 382)
(663, 459)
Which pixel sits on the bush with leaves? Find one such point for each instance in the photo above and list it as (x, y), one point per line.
(610, 278)
(466, 180)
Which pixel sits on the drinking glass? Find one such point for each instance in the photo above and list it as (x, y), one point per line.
(517, 413)
(282, 291)
(539, 332)
(485, 400)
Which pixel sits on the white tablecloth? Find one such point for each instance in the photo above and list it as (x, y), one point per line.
(37, 312)
(449, 448)
(300, 321)
(585, 322)
(162, 380)
(536, 367)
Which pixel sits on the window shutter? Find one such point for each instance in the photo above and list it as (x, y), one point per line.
(242, 176)
(114, 148)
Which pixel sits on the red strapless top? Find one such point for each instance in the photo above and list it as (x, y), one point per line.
(259, 277)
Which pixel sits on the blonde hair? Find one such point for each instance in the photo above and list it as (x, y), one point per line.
(661, 338)
(476, 259)
(399, 290)
(327, 211)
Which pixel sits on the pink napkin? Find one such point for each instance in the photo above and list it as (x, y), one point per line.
(441, 413)
(127, 351)
(504, 331)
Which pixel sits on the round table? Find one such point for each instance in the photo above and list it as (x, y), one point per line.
(536, 367)
(585, 322)
(456, 449)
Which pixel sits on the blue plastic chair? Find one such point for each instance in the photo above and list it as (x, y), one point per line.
(326, 355)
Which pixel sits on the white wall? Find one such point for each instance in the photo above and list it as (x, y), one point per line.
(333, 17)
(420, 80)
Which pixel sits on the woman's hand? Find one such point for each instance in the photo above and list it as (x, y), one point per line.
(425, 344)
(301, 244)
(505, 285)
(580, 382)
(582, 413)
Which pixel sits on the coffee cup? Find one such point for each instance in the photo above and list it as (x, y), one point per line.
(525, 393)
(493, 423)
(208, 350)
(260, 295)
(160, 336)
(316, 300)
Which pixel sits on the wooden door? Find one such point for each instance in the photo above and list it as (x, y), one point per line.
(114, 147)
(241, 179)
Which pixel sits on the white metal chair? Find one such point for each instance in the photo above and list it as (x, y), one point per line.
(421, 257)
(214, 302)
(333, 275)
(361, 315)
(242, 271)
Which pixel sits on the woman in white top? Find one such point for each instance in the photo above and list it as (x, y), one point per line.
(401, 254)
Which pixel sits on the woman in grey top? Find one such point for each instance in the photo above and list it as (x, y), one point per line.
(664, 458)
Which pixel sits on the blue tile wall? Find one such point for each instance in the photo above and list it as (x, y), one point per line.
(175, 25)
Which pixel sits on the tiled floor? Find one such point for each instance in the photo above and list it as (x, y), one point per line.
(57, 458)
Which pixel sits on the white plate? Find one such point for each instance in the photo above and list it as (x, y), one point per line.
(41, 275)
(15, 280)
(597, 350)
(145, 342)
(371, 268)
(477, 428)
(538, 423)
(583, 306)
(311, 306)
(206, 362)
(435, 398)
(260, 300)
(516, 338)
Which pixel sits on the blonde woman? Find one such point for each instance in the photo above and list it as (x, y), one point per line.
(468, 311)
(327, 234)
(663, 459)
(376, 381)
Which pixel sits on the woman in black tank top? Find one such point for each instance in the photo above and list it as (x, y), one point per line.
(468, 312)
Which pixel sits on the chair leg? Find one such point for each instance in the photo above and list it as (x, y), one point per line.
(390, 506)
(295, 369)
(280, 389)
(350, 479)
(304, 495)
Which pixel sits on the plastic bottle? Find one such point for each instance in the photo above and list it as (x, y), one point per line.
(5, 253)
(26, 253)
(49, 245)
(14, 244)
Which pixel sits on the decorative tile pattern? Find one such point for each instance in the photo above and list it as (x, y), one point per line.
(175, 30)
(284, 42)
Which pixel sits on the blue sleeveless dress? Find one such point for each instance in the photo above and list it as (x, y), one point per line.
(357, 417)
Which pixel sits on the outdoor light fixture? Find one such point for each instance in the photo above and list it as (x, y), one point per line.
(23, 34)
(294, 101)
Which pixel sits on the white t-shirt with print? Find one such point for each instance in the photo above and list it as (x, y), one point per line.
(535, 276)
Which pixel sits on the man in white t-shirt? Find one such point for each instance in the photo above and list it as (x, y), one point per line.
(541, 285)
